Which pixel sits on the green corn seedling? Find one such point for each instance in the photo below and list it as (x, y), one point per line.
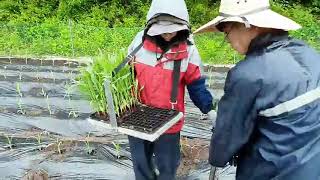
(59, 143)
(39, 138)
(43, 93)
(20, 76)
(9, 141)
(68, 90)
(118, 149)
(48, 105)
(38, 76)
(18, 89)
(73, 114)
(4, 73)
(52, 75)
(20, 109)
(88, 146)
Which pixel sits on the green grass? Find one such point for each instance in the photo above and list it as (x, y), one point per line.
(54, 38)
(79, 40)
(71, 39)
(214, 49)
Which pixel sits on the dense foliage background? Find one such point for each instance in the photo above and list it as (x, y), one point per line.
(89, 27)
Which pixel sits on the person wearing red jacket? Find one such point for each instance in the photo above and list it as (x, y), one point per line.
(166, 38)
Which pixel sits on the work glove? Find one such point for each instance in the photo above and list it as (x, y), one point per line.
(212, 116)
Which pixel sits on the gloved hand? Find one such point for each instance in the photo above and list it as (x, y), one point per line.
(212, 116)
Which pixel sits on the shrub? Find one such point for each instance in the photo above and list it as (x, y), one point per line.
(310, 31)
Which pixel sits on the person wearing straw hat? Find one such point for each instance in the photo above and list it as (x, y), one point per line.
(268, 119)
(165, 42)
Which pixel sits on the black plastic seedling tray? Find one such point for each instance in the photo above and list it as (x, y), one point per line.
(147, 119)
(142, 121)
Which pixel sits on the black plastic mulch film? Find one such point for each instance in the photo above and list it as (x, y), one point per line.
(51, 77)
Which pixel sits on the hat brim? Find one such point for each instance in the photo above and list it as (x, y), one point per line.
(265, 19)
(157, 29)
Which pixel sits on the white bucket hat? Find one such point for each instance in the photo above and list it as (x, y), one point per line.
(254, 12)
(161, 27)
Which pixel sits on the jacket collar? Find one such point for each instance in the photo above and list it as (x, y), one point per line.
(179, 51)
(268, 41)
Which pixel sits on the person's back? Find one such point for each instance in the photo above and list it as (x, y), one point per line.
(284, 146)
(269, 117)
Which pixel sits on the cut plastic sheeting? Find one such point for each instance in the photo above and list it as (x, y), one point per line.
(94, 170)
(36, 90)
(226, 173)
(193, 132)
(12, 123)
(54, 103)
(67, 128)
(26, 155)
(78, 165)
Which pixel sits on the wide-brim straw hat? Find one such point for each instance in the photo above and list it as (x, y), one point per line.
(249, 12)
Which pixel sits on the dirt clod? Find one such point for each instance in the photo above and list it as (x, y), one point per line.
(36, 175)
(193, 152)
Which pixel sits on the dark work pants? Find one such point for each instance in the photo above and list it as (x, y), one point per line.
(166, 150)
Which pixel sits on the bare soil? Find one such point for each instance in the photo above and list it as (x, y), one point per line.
(36, 175)
(193, 151)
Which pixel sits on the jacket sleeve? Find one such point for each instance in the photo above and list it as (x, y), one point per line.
(135, 42)
(236, 116)
(200, 96)
(195, 82)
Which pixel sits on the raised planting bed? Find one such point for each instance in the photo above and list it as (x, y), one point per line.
(63, 143)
